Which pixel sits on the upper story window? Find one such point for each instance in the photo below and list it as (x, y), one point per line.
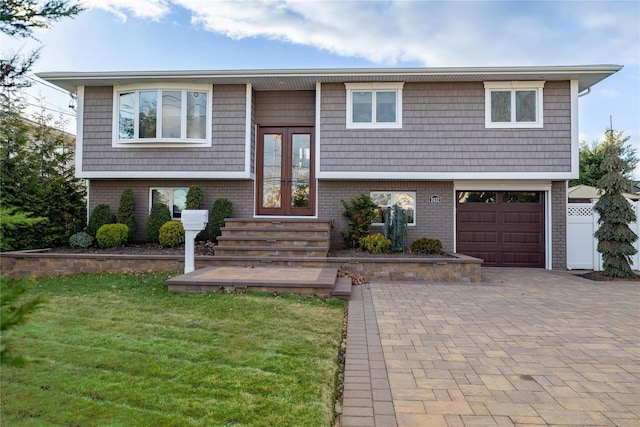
(513, 104)
(374, 105)
(168, 115)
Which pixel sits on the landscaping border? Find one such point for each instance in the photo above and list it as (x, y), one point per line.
(42, 262)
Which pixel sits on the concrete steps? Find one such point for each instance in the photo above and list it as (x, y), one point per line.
(274, 238)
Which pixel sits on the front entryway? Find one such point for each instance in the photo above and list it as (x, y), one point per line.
(503, 228)
(285, 176)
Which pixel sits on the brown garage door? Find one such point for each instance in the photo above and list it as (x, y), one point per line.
(504, 228)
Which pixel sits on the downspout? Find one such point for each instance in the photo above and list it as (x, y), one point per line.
(583, 93)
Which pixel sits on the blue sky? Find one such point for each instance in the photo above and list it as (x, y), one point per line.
(128, 35)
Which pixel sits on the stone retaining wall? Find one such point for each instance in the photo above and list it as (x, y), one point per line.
(458, 268)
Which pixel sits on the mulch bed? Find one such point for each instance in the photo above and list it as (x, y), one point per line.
(599, 277)
(203, 248)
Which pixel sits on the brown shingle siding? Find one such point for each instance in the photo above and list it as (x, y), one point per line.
(225, 154)
(444, 130)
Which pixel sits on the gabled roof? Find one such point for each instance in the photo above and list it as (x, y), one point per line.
(305, 79)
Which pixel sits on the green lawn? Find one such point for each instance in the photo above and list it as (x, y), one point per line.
(120, 350)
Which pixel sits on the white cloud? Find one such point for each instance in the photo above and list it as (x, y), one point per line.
(151, 9)
(431, 33)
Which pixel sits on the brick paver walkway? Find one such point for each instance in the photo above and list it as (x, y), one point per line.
(525, 347)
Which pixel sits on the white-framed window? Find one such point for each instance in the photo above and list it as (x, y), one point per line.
(374, 105)
(174, 198)
(156, 116)
(385, 199)
(513, 104)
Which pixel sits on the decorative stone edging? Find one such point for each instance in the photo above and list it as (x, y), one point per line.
(38, 263)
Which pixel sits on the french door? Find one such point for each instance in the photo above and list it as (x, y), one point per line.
(285, 171)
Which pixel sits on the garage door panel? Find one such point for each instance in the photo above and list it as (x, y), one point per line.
(488, 257)
(522, 218)
(521, 259)
(522, 238)
(478, 237)
(509, 231)
(478, 217)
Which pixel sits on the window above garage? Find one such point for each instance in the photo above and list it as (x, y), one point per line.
(374, 105)
(513, 104)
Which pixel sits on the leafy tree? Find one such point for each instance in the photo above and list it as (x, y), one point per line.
(615, 238)
(591, 157)
(18, 18)
(36, 173)
(127, 212)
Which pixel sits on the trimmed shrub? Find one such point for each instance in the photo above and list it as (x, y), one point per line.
(195, 196)
(360, 214)
(81, 240)
(171, 234)
(127, 212)
(112, 235)
(222, 208)
(159, 215)
(100, 216)
(426, 246)
(375, 243)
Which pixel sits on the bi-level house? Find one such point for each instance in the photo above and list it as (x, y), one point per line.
(480, 157)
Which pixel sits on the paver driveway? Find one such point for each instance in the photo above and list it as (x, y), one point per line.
(524, 347)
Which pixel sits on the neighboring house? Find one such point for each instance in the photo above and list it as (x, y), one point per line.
(585, 193)
(480, 157)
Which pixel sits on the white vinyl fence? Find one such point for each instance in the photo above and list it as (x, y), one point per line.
(582, 222)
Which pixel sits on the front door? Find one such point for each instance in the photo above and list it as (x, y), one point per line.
(285, 171)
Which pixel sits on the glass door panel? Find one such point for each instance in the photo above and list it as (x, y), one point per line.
(272, 171)
(300, 170)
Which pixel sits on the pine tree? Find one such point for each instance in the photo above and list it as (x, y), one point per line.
(127, 212)
(615, 238)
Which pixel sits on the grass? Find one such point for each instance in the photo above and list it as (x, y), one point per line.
(120, 350)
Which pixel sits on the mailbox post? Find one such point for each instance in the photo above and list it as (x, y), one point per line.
(193, 222)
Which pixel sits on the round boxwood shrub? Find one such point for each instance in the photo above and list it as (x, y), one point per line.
(375, 243)
(426, 246)
(100, 216)
(112, 235)
(171, 234)
(157, 218)
(81, 240)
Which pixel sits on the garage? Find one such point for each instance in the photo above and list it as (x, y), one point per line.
(504, 228)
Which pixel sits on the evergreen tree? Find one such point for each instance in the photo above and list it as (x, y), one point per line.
(615, 238)
(127, 212)
(195, 196)
(36, 172)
